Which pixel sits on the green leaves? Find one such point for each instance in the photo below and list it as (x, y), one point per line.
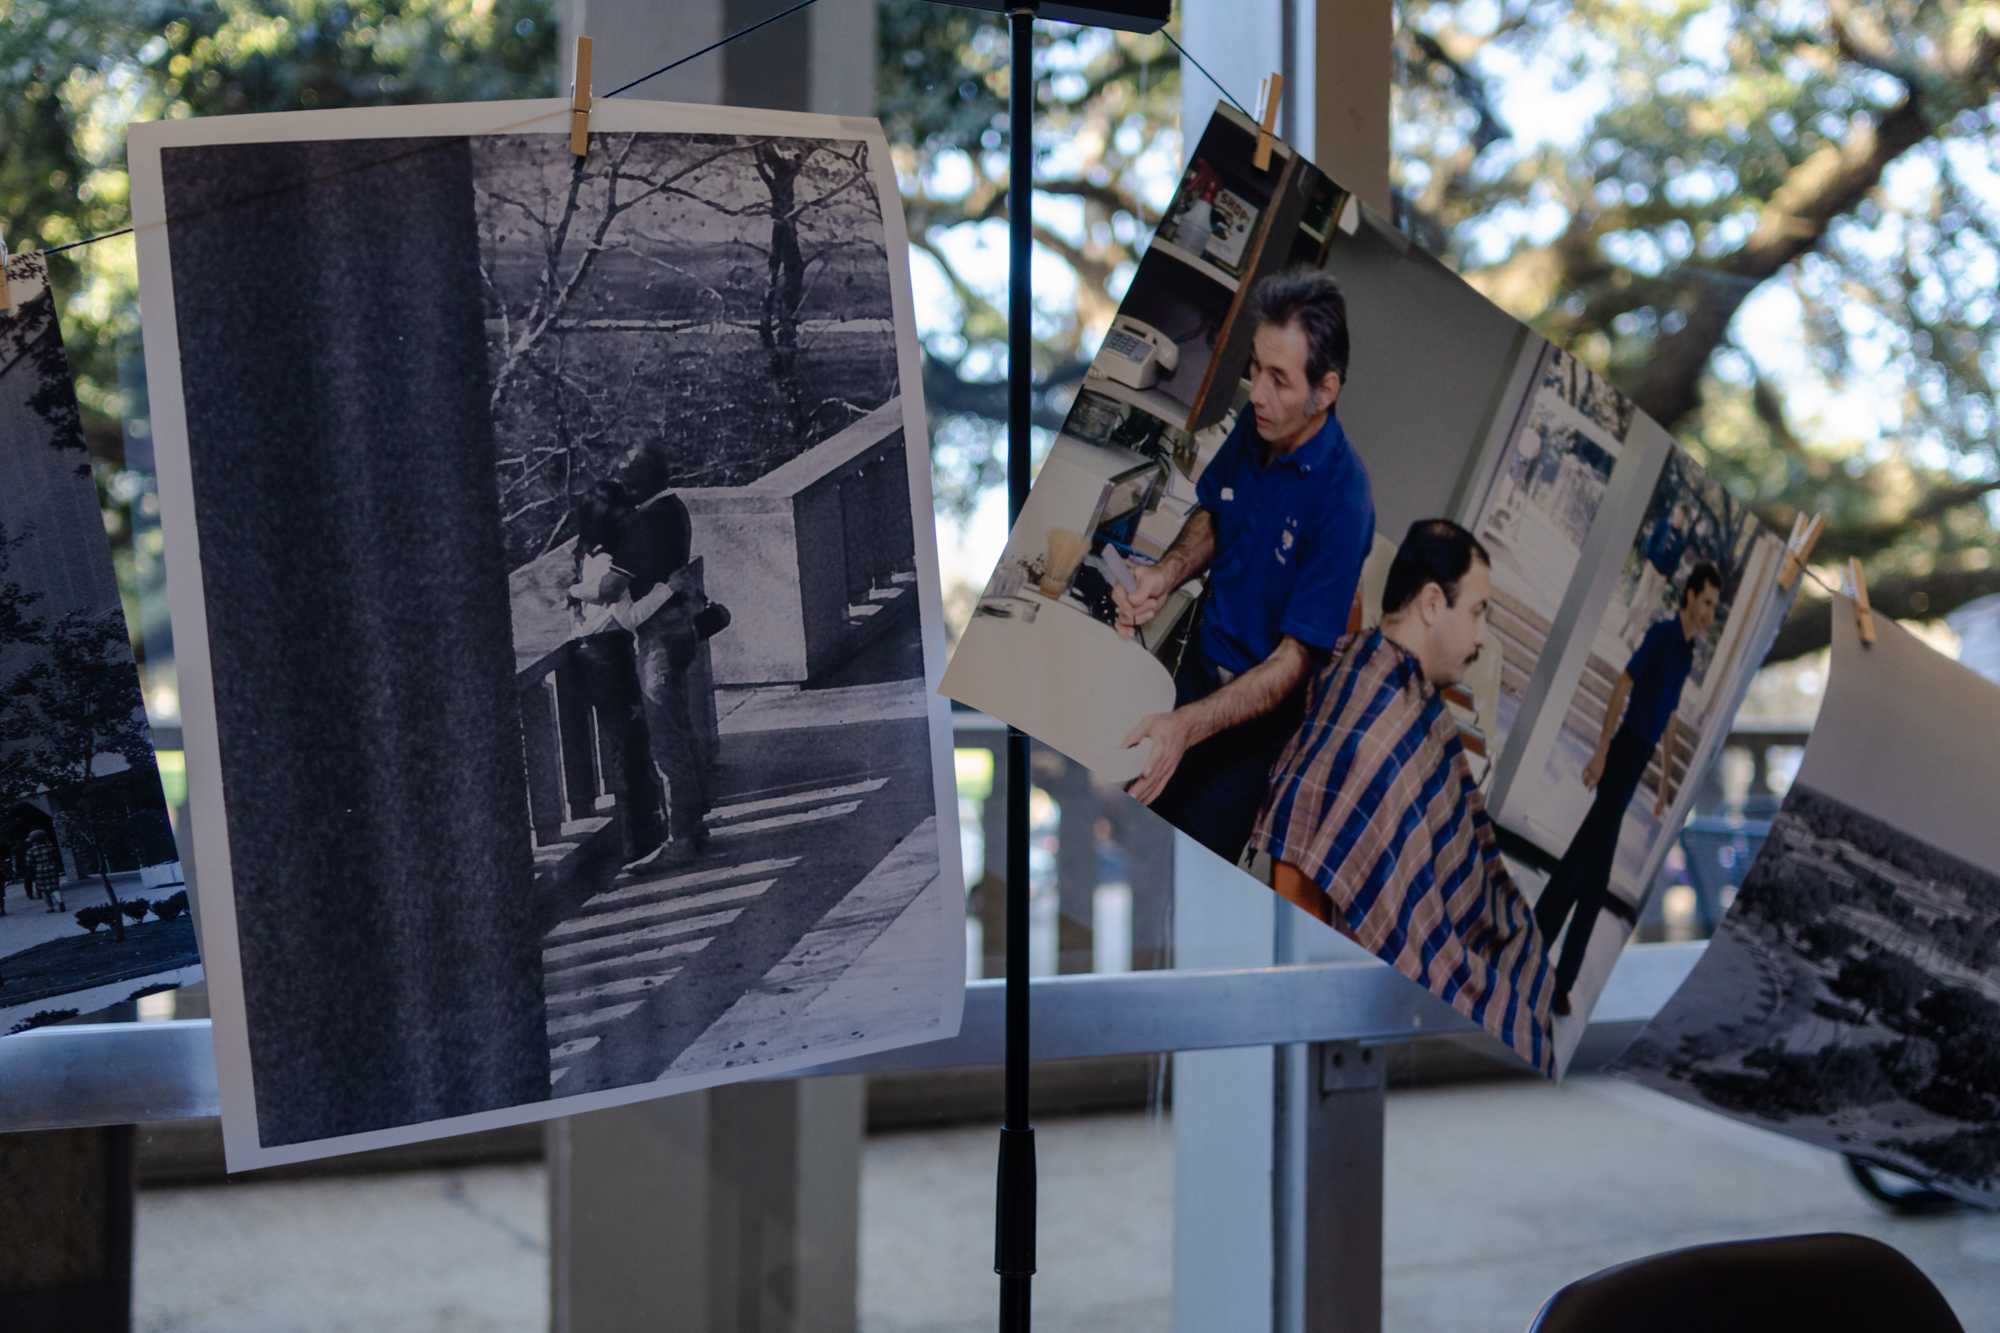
(1776, 227)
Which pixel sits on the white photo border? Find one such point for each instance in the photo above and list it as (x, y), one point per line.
(208, 813)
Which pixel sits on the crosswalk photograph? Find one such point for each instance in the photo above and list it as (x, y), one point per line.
(799, 879)
(627, 770)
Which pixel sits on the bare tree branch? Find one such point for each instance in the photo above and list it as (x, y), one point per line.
(1826, 185)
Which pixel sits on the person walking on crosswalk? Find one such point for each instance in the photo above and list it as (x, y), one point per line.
(45, 868)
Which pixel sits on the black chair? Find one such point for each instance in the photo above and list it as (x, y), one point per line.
(1825, 1283)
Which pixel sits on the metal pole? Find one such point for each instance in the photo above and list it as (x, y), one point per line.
(1014, 1230)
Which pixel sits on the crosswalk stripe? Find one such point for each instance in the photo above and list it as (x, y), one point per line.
(572, 1048)
(720, 875)
(570, 976)
(590, 1018)
(609, 989)
(803, 784)
(645, 935)
(743, 808)
(824, 812)
(671, 907)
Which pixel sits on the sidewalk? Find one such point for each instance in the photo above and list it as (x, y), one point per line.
(29, 922)
(821, 836)
(1497, 1194)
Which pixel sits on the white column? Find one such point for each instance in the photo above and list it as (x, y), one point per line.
(1244, 1143)
(1224, 1122)
(820, 60)
(735, 1208)
(628, 38)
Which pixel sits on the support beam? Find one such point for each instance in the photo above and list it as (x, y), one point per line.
(1250, 1124)
(729, 1209)
(1340, 1287)
(735, 1208)
(820, 60)
(1352, 69)
(66, 1229)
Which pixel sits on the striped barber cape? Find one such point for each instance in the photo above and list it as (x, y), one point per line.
(1373, 801)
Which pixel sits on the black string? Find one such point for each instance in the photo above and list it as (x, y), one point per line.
(740, 32)
(107, 236)
(695, 55)
(625, 87)
(1204, 72)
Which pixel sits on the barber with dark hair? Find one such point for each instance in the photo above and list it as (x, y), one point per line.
(1635, 720)
(1283, 526)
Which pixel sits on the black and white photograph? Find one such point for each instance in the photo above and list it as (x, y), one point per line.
(93, 909)
(1849, 998)
(593, 562)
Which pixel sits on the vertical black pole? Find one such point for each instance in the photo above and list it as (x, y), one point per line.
(1014, 1230)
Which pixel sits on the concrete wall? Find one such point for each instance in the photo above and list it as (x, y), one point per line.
(749, 543)
(779, 551)
(1429, 371)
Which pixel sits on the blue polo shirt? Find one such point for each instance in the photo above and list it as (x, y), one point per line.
(1665, 547)
(1658, 670)
(1289, 543)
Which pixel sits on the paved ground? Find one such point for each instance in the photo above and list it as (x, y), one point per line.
(1497, 1194)
(29, 924)
(816, 809)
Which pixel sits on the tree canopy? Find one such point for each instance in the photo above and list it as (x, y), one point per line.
(1777, 227)
(1107, 154)
(76, 73)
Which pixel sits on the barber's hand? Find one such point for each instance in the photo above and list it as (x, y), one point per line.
(1169, 733)
(1593, 772)
(1141, 604)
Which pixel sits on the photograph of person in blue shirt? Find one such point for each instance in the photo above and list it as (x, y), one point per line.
(1659, 560)
(1635, 720)
(1283, 524)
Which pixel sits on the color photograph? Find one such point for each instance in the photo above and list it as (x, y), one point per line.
(1671, 655)
(1217, 611)
(1537, 513)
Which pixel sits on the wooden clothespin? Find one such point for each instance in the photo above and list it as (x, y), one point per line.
(1268, 94)
(579, 101)
(1788, 572)
(1864, 615)
(1799, 549)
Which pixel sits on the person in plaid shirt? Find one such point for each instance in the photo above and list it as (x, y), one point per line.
(1373, 823)
(45, 868)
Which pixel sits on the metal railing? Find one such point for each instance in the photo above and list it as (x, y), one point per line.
(120, 1073)
(136, 1073)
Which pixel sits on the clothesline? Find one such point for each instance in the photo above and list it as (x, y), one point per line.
(737, 35)
(671, 65)
(674, 64)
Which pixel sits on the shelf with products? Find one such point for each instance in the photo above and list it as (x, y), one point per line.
(1200, 265)
(1252, 225)
(1150, 401)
